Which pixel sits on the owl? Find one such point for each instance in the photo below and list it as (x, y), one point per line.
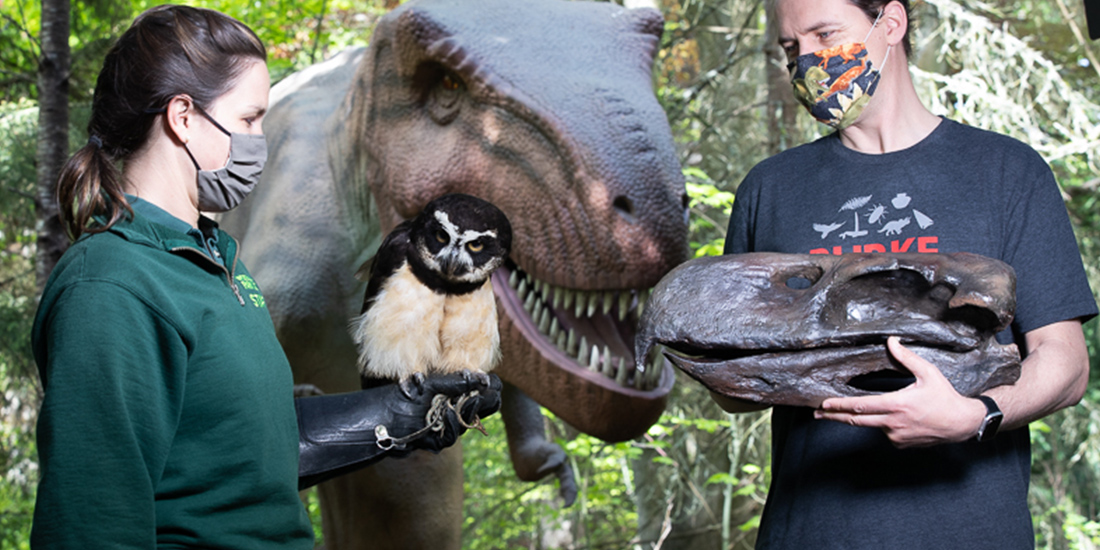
(429, 305)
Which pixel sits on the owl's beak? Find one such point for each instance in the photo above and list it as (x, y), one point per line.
(452, 264)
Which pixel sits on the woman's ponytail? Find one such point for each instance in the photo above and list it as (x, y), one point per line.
(90, 183)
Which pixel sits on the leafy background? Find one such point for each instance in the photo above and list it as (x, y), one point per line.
(699, 477)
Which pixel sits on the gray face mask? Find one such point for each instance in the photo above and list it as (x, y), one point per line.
(222, 189)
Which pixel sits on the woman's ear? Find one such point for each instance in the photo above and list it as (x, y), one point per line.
(180, 115)
(896, 22)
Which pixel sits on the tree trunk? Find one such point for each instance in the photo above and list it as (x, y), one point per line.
(53, 132)
(782, 105)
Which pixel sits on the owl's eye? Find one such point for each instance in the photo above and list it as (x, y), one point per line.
(441, 237)
(475, 246)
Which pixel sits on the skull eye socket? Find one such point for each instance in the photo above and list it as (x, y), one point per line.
(802, 277)
(475, 246)
(799, 282)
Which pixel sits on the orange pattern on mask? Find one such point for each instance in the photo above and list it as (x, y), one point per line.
(846, 53)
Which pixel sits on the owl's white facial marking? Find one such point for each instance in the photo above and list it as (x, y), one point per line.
(460, 238)
(454, 260)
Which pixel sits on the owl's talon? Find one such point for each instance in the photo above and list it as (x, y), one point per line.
(413, 385)
(306, 390)
(480, 376)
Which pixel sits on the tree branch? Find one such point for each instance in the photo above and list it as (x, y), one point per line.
(1080, 37)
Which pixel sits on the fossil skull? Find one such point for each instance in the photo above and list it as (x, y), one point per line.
(795, 329)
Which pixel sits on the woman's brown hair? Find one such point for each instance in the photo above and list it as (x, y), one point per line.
(168, 51)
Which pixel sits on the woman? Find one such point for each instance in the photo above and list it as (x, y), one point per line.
(168, 418)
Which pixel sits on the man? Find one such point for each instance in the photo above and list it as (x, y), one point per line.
(905, 469)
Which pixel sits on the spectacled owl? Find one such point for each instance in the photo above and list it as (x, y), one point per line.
(429, 305)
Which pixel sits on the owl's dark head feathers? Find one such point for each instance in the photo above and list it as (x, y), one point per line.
(457, 242)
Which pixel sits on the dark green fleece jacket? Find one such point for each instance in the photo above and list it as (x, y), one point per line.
(168, 419)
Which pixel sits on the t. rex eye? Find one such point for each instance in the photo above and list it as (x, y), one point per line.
(441, 237)
(475, 246)
(451, 83)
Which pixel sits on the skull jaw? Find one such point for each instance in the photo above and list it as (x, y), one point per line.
(808, 377)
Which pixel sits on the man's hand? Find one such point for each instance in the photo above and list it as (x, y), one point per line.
(927, 412)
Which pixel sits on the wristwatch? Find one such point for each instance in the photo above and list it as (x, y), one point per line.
(992, 421)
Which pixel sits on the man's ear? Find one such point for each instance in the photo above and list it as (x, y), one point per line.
(180, 116)
(896, 21)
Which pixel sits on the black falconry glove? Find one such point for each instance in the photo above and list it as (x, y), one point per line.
(341, 433)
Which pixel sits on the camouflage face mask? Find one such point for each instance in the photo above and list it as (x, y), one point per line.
(835, 84)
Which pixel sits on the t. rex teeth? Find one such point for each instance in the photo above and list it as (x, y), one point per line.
(554, 328)
(605, 364)
(624, 302)
(582, 350)
(654, 369)
(640, 379)
(620, 376)
(556, 291)
(594, 360)
(521, 290)
(567, 301)
(560, 341)
(544, 320)
(513, 279)
(643, 297)
(529, 304)
(593, 303)
(608, 299)
(571, 343)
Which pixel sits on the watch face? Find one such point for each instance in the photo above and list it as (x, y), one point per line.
(990, 425)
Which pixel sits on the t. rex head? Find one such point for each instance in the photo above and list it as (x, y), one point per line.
(546, 109)
(794, 329)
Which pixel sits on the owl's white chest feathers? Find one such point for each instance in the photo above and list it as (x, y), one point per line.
(409, 328)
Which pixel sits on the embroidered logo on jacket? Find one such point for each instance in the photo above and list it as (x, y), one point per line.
(250, 290)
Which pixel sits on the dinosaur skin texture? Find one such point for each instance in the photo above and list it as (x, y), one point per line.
(795, 329)
(544, 108)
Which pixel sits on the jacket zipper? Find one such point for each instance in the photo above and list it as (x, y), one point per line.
(228, 272)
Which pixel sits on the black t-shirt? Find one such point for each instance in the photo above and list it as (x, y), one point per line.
(959, 189)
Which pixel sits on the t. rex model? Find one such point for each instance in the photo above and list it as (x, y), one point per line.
(544, 108)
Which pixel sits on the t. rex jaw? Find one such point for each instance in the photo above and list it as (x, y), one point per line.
(587, 332)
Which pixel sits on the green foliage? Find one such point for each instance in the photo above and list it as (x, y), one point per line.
(298, 33)
(673, 465)
(710, 207)
(19, 21)
(503, 512)
(313, 507)
(18, 387)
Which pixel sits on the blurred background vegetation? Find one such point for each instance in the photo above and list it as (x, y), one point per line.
(698, 478)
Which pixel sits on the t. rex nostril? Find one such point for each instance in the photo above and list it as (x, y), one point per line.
(624, 205)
